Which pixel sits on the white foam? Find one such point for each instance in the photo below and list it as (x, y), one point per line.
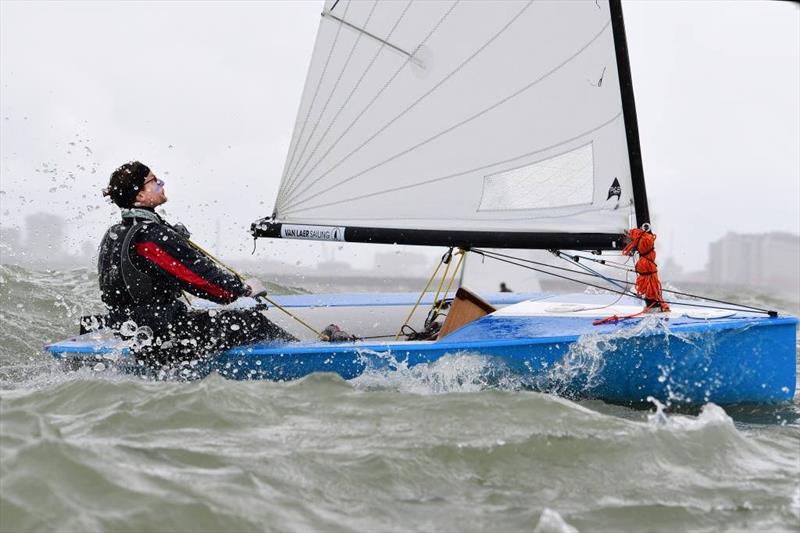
(552, 522)
(711, 415)
(460, 372)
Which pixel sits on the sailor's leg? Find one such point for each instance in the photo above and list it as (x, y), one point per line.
(247, 326)
(206, 333)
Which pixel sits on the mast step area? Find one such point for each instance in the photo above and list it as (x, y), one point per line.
(268, 228)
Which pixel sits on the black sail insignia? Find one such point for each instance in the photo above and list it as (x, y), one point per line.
(614, 190)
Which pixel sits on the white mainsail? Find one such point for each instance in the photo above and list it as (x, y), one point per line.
(461, 116)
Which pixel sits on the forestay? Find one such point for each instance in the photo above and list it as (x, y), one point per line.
(488, 120)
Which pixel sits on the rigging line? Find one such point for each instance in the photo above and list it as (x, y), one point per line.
(290, 160)
(561, 256)
(606, 262)
(741, 307)
(615, 302)
(335, 85)
(376, 97)
(289, 187)
(416, 305)
(462, 255)
(447, 130)
(490, 253)
(458, 174)
(632, 295)
(687, 304)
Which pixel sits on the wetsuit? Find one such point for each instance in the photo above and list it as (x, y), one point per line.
(145, 264)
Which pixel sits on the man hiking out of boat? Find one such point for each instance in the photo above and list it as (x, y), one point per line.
(145, 264)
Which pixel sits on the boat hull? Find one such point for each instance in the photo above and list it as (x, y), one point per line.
(743, 358)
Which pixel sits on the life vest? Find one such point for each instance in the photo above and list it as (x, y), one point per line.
(128, 291)
(116, 267)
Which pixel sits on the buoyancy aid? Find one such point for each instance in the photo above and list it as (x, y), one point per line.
(144, 264)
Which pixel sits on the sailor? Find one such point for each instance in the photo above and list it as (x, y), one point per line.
(145, 264)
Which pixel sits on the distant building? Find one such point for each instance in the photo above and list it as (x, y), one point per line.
(764, 260)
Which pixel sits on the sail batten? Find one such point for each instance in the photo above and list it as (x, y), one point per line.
(509, 118)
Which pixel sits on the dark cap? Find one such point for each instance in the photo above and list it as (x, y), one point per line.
(126, 182)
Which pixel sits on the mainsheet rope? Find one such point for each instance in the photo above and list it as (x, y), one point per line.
(262, 296)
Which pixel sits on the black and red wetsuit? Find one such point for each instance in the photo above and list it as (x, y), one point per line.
(144, 264)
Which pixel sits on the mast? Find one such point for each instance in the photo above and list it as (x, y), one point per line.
(629, 114)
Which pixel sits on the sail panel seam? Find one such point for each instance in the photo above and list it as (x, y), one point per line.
(333, 91)
(290, 182)
(451, 128)
(289, 211)
(366, 108)
(292, 195)
(316, 92)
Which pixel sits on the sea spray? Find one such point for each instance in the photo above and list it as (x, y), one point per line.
(581, 369)
(458, 372)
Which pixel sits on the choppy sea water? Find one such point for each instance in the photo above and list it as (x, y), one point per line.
(439, 449)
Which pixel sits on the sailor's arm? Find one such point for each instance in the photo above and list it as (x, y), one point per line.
(164, 249)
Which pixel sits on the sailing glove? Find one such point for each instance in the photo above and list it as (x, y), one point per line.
(257, 288)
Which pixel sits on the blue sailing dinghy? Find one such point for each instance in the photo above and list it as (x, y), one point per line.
(489, 127)
(548, 342)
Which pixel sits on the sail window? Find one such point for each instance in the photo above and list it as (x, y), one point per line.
(561, 181)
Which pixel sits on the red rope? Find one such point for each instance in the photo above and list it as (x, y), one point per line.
(613, 319)
(648, 284)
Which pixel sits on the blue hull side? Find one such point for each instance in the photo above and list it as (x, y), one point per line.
(746, 358)
(721, 363)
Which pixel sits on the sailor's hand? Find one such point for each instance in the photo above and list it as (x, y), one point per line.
(257, 288)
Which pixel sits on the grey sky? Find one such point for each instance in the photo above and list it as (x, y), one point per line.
(206, 94)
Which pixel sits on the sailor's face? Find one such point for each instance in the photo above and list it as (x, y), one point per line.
(152, 193)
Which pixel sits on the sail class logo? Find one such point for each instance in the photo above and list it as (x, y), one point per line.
(615, 190)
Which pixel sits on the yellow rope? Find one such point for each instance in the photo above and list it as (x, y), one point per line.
(462, 254)
(444, 277)
(438, 307)
(269, 300)
(272, 302)
(413, 309)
